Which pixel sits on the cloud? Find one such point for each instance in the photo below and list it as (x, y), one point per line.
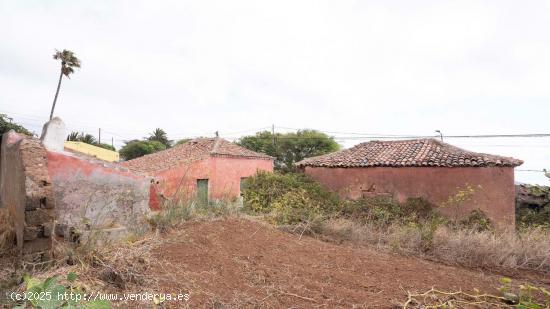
(194, 67)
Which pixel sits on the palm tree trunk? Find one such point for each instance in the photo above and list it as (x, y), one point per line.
(56, 94)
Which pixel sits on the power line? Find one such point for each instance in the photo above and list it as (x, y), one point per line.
(346, 136)
(407, 136)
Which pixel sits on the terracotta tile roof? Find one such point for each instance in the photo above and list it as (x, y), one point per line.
(193, 150)
(420, 152)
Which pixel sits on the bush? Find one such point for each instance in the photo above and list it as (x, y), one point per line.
(106, 146)
(532, 205)
(292, 198)
(296, 206)
(476, 220)
(266, 190)
(135, 149)
(384, 210)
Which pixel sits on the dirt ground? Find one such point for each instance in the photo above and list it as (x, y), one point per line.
(242, 263)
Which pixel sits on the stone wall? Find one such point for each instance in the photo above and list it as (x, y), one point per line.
(26, 193)
(533, 204)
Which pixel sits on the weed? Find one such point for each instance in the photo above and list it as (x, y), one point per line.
(51, 294)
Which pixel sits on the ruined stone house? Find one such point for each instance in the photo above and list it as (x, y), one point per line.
(41, 184)
(424, 168)
(46, 190)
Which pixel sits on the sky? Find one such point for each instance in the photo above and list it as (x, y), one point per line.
(369, 67)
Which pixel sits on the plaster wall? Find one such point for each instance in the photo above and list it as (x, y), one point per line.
(494, 186)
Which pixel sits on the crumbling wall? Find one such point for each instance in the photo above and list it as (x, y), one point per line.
(26, 194)
(533, 204)
(94, 195)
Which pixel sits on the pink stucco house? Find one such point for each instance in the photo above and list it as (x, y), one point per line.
(210, 168)
(425, 168)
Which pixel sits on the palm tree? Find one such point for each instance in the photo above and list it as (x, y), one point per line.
(68, 63)
(88, 139)
(160, 135)
(74, 137)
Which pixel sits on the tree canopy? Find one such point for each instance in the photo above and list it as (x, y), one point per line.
(136, 148)
(6, 125)
(69, 62)
(289, 148)
(88, 139)
(160, 135)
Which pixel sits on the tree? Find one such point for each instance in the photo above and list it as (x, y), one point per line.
(73, 137)
(68, 62)
(87, 138)
(289, 148)
(6, 125)
(160, 135)
(136, 148)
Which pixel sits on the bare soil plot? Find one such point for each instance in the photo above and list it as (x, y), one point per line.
(242, 263)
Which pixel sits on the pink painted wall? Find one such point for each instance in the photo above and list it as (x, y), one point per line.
(89, 192)
(223, 173)
(495, 193)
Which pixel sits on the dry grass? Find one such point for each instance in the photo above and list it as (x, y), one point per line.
(120, 268)
(528, 249)
(7, 233)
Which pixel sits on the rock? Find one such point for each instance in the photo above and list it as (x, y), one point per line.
(48, 229)
(31, 232)
(37, 245)
(38, 217)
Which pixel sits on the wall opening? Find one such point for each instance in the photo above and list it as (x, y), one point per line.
(202, 191)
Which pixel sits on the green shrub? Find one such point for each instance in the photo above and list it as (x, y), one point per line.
(135, 149)
(263, 189)
(531, 216)
(292, 198)
(384, 210)
(476, 220)
(296, 206)
(50, 294)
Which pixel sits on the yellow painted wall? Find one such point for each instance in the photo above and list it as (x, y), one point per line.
(91, 150)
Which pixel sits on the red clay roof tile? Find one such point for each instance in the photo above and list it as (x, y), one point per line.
(191, 151)
(405, 153)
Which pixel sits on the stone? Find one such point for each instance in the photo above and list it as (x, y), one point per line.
(38, 217)
(60, 229)
(53, 134)
(48, 229)
(31, 232)
(37, 245)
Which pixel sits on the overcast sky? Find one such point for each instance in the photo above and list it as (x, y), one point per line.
(372, 67)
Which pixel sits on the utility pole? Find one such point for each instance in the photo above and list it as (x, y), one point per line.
(99, 136)
(112, 142)
(273, 135)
